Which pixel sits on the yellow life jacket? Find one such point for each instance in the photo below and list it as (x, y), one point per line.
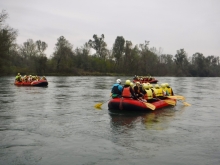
(149, 94)
(158, 91)
(169, 90)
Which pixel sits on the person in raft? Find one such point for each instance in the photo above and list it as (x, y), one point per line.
(127, 91)
(138, 91)
(169, 89)
(164, 88)
(149, 94)
(18, 77)
(132, 85)
(43, 78)
(116, 89)
(158, 91)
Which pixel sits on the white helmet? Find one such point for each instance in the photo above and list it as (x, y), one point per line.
(118, 81)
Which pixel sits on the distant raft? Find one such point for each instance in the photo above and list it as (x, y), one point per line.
(154, 81)
(145, 79)
(41, 83)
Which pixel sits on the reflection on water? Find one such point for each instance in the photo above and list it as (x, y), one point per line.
(155, 120)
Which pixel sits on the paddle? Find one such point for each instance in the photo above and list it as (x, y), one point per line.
(170, 102)
(148, 105)
(98, 105)
(180, 98)
(177, 97)
(185, 103)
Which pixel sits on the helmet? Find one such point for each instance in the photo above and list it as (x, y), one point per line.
(167, 85)
(156, 86)
(18, 74)
(131, 84)
(163, 85)
(118, 81)
(138, 83)
(150, 85)
(146, 86)
(127, 82)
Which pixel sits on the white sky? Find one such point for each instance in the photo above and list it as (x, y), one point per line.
(193, 25)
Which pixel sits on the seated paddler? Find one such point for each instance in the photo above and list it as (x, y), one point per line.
(116, 89)
(148, 93)
(127, 91)
(18, 77)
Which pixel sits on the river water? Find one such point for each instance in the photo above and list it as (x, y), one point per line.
(58, 125)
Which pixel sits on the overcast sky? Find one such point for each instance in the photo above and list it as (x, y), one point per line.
(193, 25)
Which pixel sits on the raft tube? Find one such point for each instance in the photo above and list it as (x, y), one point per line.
(131, 105)
(33, 83)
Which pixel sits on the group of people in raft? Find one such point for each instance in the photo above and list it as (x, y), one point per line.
(145, 92)
(28, 78)
(143, 78)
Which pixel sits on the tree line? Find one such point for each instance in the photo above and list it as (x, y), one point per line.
(124, 58)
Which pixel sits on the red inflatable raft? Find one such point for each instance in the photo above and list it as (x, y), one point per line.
(33, 83)
(131, 105)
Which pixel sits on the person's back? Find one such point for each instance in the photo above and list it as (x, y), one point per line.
(43, 78)
(169, 89)
(149, 95)
(165, 92)
(18, 77)
(158, 91)
(116, 89)
(30, 78)
(25, 78)
(127, 91)
(152, 89)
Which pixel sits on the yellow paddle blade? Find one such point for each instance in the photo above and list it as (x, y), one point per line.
(176, 97)
(186, 104)
(180, 97)
(170, 102)
(150, 106)
(98, 105)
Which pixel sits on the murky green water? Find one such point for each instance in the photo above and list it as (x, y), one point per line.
(59, 125)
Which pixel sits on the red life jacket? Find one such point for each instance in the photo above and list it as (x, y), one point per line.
(126, 92)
